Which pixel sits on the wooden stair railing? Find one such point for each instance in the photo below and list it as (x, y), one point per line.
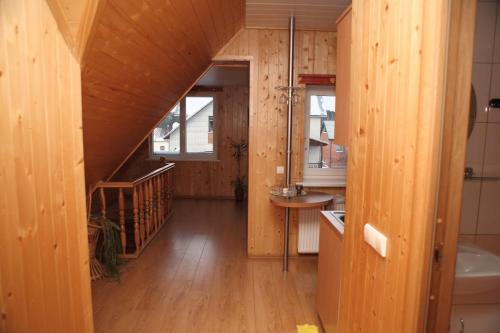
(148, 208)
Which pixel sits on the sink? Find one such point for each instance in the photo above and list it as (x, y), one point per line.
(477, 271)
(336, 214)
(336, 218)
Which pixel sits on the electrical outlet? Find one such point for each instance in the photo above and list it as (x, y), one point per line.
(280, 169)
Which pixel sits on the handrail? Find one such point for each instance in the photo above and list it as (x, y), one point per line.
(153, 173)
(139, 180)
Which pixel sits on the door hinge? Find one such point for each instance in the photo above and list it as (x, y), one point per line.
(438, 253)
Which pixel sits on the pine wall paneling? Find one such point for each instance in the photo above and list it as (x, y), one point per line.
(397, 92)
(204, 179)
(343, 77)
(267, 51)
(141, 58)
(44, 274)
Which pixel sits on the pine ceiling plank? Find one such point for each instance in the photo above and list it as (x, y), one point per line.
(310, 15)
(203, 15)
(142, 57)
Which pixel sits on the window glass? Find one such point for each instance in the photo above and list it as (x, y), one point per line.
(188, 130)
(199, 111)
(166, 137)
(323, 153)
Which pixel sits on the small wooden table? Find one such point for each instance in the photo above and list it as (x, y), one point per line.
(310, 200)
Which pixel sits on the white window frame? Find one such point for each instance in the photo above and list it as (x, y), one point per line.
(319, 177)
(183, 154)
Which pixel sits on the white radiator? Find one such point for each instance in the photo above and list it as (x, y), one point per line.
(308, 241)
(308, 230)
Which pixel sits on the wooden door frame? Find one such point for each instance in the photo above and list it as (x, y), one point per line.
(252, 95)
(454, 141)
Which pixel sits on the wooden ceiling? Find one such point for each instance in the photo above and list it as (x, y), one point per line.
(309, 14)
(141, 57)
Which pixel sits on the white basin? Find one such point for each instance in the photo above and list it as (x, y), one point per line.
(477, 271)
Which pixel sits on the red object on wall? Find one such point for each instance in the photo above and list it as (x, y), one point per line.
(317, 79)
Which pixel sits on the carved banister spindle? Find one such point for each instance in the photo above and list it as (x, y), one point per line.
(135, 205)
(153, 203)
(141, 214)
(121, 207)
(165, 193)
(102, 197)
(157, 207)
(170, 189)
(162, 196)
(160, 199)
(148, 209)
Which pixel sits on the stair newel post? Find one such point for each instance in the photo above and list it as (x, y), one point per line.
(102, 197)
(121, 208)
(170, 190)
(141, 213)
(135, 204)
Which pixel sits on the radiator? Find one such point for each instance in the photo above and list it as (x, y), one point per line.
(308, 239)
(308, 230)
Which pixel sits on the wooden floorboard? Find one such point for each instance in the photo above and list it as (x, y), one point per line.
(195, 277)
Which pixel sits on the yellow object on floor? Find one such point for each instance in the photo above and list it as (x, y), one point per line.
(307, 328)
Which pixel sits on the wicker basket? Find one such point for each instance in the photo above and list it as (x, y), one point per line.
(96, 269)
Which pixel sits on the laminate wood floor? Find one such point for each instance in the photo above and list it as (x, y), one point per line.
(195, 277)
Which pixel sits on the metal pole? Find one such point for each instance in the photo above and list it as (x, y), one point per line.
(291, 31)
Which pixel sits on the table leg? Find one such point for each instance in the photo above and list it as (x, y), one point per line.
(285, 250)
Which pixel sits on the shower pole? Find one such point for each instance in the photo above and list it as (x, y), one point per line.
(291, 41)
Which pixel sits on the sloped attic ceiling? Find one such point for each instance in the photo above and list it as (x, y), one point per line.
(141, 57)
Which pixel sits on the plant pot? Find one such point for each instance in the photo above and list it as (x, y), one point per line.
(239, 194)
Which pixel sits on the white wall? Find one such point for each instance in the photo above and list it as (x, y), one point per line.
(481, 208)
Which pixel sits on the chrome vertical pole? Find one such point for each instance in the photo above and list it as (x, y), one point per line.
(291, 41)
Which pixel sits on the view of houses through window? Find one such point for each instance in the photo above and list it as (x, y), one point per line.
(323, 156)
(187, 130)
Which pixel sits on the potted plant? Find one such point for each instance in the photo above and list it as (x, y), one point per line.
(239, 184)
(108, 245)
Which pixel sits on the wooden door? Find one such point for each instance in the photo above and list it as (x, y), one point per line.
(397, 93)
(456, 117)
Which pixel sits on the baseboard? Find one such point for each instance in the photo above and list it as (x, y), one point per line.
(204, 197)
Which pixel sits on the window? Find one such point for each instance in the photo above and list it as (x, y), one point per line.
(324, 161)
(187, 132)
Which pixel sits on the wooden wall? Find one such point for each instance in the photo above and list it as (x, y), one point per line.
(397, 93)
(267, 51)
(44, 274)
(141, 58)
(204, 179)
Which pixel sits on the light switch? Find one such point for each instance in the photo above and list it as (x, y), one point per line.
(280, 169)
(376, 239)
